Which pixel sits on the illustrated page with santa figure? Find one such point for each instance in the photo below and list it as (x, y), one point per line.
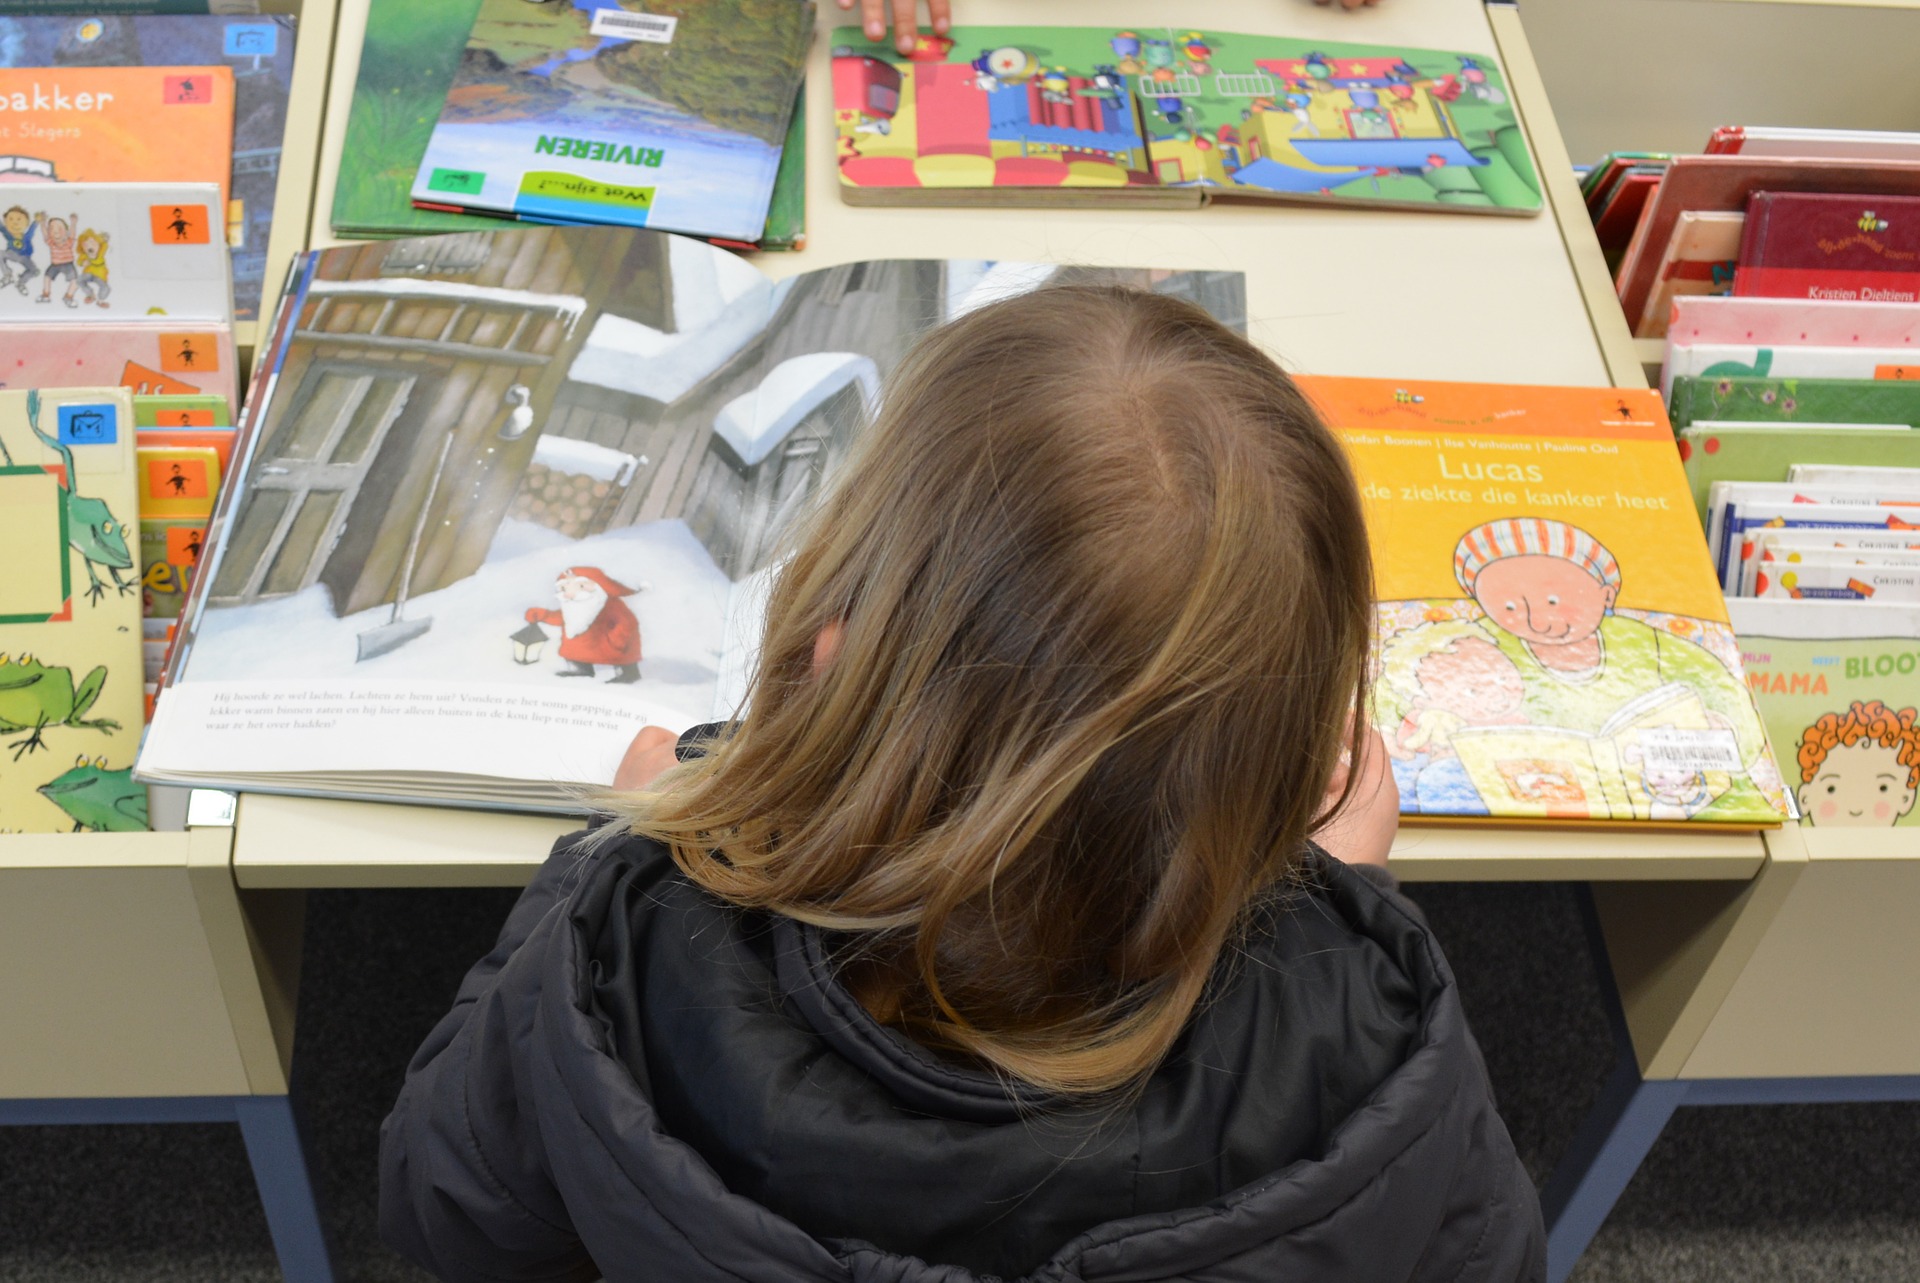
(510, 496)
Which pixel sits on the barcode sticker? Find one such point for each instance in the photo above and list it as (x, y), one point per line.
(1677, 750)
(621, 25)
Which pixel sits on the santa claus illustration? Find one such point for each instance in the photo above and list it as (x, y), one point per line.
(595, 625)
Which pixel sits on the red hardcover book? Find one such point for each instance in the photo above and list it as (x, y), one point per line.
(1818, 245)
(1724, 183)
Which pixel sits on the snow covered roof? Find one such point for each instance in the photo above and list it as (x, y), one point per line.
(582, 458)
(631, 356)
(569, 305)
(755, 422)
(705, 280)
(981, 283)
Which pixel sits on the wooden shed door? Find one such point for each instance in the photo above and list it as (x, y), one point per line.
(302, 487)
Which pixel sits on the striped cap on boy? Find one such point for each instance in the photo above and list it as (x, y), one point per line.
(1531, 536)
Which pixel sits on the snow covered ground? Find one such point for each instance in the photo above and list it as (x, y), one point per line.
(681, 611)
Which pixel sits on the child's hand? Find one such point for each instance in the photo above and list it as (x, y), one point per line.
(647, 758)
(1363, 832)
(873, 16)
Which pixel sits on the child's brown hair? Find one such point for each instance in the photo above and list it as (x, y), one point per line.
(1098, 598)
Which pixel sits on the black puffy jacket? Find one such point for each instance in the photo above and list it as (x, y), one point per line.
(642, 1083)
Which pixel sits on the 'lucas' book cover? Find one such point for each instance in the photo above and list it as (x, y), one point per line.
(1161, 116)
(1552, 644)
(1814, 245)
(605, 111)
(70, 663)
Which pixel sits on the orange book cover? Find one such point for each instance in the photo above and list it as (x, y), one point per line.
(1552, 643)
(116, 124)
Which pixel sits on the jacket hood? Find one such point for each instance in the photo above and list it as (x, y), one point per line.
(701, 1085)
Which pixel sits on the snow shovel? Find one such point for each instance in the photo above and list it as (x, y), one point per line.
(397, 632)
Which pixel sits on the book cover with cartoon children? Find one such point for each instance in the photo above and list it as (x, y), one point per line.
(70, 662)
(77, 254)
(1839, 685)
(1552, 644)
(1014, 115)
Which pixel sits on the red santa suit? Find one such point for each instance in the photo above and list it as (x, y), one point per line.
(613, 636)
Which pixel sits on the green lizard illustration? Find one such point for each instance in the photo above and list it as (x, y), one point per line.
(91, 528)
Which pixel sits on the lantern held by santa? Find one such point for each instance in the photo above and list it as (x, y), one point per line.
(527, 644)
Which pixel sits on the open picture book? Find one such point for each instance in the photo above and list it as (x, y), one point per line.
(505, 497)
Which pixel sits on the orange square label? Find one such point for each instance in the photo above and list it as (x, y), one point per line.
(184, 544)
(179, 224)
(184, 419)
(189, 353)
(1897, 371)
(186, 89)
(177, 479)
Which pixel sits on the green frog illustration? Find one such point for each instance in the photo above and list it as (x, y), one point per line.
(34, 696)
(97, 799)
(91, 529)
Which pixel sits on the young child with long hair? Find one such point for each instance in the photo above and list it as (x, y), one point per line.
(998, 938)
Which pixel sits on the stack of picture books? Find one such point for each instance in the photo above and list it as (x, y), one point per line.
(1791, 382)
(1824, 575)
(150, 97)
(595, 111)
(116, 309)
(1762, 213)
(1615, 189)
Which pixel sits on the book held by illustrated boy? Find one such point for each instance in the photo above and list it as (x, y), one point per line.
(503, 499)
(70, 662)
(664, 115)
(1552, 644)
(1166, 116)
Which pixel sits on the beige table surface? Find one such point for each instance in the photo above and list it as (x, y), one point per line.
(1359, 292)
(1419, 295)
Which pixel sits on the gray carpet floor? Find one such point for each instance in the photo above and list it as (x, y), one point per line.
(1826, 1192)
